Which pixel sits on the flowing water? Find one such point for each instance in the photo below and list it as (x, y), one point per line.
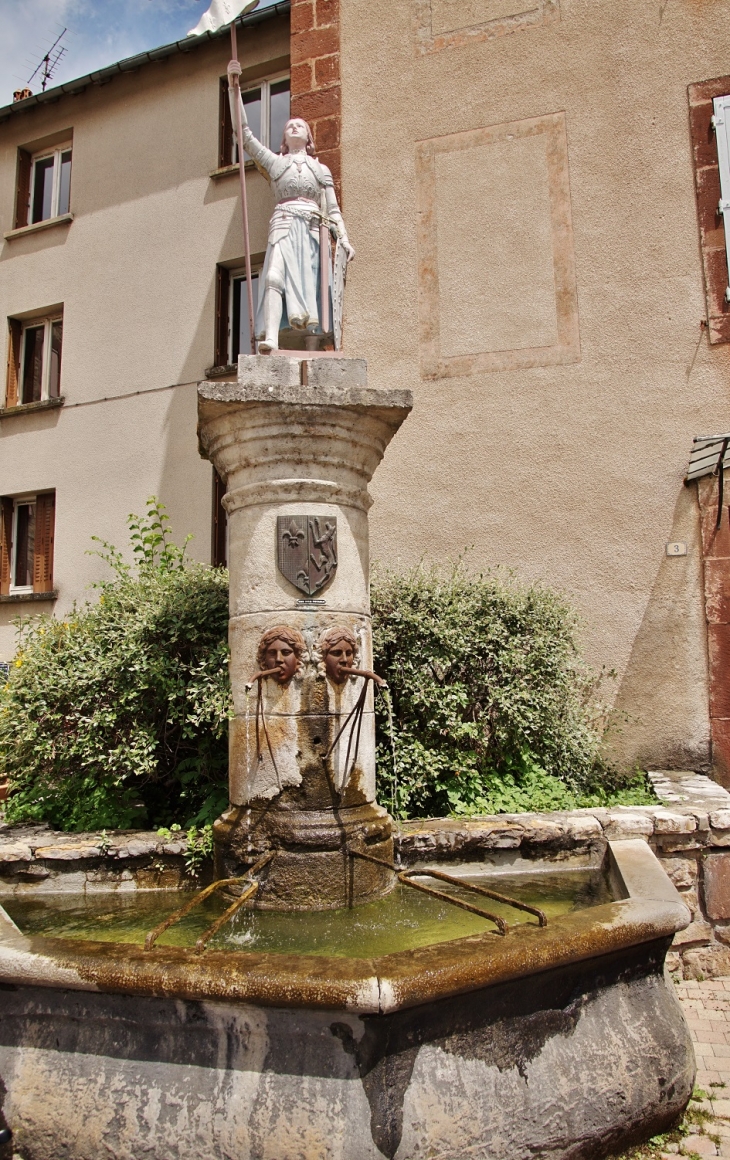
(402, 920)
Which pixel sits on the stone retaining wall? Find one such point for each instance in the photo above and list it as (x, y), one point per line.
(689, 832)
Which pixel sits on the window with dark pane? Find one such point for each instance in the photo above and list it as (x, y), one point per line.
(43, 189)
(54, 371)
(252, 105)
(32, 383)
(24, 544)
(240, 330)
(279, 110)
(64, 188)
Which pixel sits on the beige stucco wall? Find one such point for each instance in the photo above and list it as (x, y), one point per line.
(135, 272)
(567, 464)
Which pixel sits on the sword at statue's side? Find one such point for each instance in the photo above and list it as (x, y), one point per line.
(242, 174)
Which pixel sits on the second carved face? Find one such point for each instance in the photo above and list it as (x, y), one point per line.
(338, 648)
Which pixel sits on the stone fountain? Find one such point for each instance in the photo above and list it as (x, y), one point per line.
(297, 441)
(519, 1040)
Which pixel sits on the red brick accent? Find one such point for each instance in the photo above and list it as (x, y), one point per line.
(716, 883)
(315, 75)
(716, 556)
(720, 733)
(327, 70)
(707, 188)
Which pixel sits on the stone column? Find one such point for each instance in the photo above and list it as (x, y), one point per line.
(296, 441)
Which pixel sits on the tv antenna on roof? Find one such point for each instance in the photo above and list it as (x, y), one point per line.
(50, 61)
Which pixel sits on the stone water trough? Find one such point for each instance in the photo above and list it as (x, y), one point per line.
(562, 1041)
(336, 1009)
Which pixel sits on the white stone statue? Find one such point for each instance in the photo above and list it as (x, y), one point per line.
(305, 199)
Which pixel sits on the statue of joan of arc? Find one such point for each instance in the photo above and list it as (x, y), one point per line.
(305, 199)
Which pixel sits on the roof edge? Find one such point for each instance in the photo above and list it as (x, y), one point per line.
(132, 63)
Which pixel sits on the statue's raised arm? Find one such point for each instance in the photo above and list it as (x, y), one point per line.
(305, 200)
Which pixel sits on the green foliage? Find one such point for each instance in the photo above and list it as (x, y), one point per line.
(492, 710)
(118, 716)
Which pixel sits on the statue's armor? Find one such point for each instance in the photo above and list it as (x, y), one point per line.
(305, 201)
(302, 190)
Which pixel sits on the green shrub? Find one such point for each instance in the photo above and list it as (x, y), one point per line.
(492, 709)
(118, 715)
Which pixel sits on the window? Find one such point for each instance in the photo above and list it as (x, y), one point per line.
(27, 524)
(34, 360)
(219, 545)
(267, 109)
(44, 184)
(709, 120)
(232, 324)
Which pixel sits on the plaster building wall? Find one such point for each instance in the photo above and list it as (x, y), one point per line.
(135, 271)
(519, 188)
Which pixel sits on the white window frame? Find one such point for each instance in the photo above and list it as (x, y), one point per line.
(265, 87)
(235, 276)
(721, 125)
(55, 153)
(33, 324)
(19, 589)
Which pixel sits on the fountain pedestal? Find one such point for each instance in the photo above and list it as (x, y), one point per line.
(296, 441)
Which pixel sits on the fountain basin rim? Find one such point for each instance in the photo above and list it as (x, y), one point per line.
(652, 911)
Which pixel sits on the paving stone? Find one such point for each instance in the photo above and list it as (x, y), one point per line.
(702, 1145)
(721, 1108)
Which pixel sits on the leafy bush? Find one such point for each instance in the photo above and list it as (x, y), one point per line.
(118, 716)
(492, 710)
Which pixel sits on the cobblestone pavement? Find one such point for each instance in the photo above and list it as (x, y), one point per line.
(706, 1007)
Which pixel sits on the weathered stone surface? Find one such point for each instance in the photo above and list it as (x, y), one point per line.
(668, 822)
(628, 825)
(583, 828)
(335, 372)
(476, 1075)
(259, 370)
(696, 934)
(15, 853)
(138, 848)
(716, 885)
(709, 962)
(66, 853)
(682, 871)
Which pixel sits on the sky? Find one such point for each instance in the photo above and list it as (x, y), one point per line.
(100, 32)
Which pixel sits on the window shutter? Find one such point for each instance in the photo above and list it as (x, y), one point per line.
(15, 331)
(721, 123)
(6, 543)
(222, 289)
(225, 126)
(22, 197)
(45, 519)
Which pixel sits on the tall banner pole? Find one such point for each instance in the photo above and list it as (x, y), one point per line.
(242, 175)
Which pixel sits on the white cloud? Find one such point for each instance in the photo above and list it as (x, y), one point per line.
(100, 32)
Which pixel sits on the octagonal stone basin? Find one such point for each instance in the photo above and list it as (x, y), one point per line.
(560, 1042)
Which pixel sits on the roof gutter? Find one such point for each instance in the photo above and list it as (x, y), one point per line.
(132, 63)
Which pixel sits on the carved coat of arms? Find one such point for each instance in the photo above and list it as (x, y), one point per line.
(306, 550)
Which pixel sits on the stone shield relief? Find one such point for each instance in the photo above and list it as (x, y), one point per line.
(306, 550)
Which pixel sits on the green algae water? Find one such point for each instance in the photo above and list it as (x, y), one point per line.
(402, 920)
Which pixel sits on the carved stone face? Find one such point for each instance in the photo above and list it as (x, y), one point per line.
(341, 655)
(280, 655)
(296, 134)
